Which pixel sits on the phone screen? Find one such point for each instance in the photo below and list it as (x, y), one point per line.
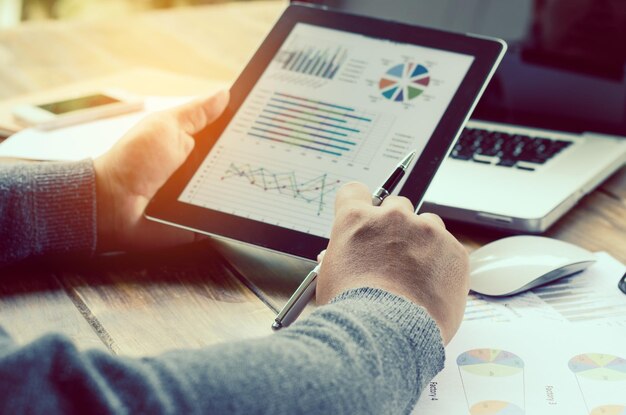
(90, 101)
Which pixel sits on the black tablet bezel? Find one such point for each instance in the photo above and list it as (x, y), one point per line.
(165, 206)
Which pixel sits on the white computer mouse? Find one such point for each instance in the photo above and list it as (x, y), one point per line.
(518, 263)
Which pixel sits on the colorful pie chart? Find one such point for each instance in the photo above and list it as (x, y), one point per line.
(490, 362)
(495, 408)
(404, 82)
(609, 410)
(599, 366)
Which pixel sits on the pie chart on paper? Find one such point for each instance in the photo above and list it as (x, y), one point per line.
(599, 366)
(490, 362)
(609, 410)
(495, 408)
(404, 82)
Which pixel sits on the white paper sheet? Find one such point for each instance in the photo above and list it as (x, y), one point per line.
(530, 367)
(88, 140)
(589, 297)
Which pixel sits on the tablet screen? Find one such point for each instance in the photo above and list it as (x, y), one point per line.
(332, 107)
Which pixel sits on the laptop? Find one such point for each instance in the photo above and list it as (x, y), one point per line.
(551, 126)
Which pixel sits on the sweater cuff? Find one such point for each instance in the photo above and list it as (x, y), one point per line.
(413, 320)
(64, 208)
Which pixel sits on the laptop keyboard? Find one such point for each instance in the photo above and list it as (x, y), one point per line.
(506, 150)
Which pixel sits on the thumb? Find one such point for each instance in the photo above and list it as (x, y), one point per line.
(196, 115)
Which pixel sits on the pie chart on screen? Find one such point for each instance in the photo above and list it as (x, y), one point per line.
(404, 82)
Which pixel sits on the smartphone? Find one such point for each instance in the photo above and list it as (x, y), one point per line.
(75, 110)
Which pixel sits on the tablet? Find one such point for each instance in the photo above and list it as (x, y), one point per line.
(328, 98)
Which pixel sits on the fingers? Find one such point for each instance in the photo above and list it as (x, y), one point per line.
(193, 117)
(433, 218)
(352, 194)
(400, 202)
(320, 256)
(355, 193)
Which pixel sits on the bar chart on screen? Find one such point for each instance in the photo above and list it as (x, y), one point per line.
(320, 127)
(312, 61)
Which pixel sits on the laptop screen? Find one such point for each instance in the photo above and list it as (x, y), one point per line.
(565, 67)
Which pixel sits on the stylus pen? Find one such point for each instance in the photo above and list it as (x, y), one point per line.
(306, 291)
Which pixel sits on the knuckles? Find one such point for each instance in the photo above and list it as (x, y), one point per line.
(192, 120)
(427, 229)
(352, 215)
(397, 215)
(160, 120)
(352, 186)
(394, 218)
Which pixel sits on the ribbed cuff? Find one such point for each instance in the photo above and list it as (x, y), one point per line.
(64, 208)
(411, 319)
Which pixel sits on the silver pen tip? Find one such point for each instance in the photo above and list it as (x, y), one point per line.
(406, 162)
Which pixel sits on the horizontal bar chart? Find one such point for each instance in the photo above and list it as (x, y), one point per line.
(310, 124)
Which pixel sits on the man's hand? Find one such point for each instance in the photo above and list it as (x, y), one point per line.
(391, 248)
(130, 174)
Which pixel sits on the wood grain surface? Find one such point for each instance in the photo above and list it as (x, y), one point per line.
(33, 303)
(145, 304)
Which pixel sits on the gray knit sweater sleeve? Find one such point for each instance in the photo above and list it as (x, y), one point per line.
(46, 208)
(369, 352)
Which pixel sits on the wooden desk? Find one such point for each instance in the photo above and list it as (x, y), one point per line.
(211, 292)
